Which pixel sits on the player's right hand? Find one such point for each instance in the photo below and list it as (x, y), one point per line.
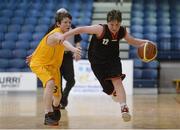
(77, 53)
(77, 56)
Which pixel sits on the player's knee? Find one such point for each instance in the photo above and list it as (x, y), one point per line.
(50, 84)
(73, 82)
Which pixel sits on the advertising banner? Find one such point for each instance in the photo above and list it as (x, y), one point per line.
(86, 82)
(18, 81)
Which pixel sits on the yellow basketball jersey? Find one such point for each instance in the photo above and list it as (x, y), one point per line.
(46, 54)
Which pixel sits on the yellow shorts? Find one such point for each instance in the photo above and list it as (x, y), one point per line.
(46, 73)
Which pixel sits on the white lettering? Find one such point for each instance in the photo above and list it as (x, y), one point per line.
(105, 41)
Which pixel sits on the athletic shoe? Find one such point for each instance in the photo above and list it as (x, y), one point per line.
(49, 119)
(57, 112)
(125, 113)
(62, 107)
(64, 102)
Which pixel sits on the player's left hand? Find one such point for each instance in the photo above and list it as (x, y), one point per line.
(28, 59)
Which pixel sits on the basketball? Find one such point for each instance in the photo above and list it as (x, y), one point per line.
(147, 52)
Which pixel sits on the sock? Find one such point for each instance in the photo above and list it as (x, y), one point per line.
(47, 111)
(56, 107)
(123, 104)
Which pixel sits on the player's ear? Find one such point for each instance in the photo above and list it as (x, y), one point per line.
(58, 24)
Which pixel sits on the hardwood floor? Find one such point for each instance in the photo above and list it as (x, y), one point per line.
(25, 111)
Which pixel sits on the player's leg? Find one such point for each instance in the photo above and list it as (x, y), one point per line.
(116, 77)
(110, 77)
(48, 96)
(108, 88)
(99, 72)
(68, 74)
(121, 98)
(57, 95)
(56, 108)
(113, 94)
(47, 79)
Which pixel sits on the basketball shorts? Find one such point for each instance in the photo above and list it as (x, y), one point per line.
(105, 72)
(46, 73)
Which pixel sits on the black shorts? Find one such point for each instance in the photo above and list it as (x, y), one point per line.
(104, 72)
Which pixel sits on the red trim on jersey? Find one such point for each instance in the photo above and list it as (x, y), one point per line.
(122, 76)
(114, 36)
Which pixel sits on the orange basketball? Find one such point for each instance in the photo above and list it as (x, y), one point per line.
(147, 52)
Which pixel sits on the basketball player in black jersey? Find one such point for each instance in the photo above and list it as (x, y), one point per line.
(104, 57)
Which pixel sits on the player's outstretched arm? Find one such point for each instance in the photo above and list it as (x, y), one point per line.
(134, 41)
(93, 29)
(75, 50)
(56, 38)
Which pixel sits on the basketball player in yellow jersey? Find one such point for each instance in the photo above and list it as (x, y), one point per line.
(45, 63)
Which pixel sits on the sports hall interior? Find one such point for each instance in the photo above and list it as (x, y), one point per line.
(155, 101)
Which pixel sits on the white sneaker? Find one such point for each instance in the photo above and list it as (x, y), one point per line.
(125, 113)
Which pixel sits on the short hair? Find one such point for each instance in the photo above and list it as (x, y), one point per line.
(60, 16)
(114, 15)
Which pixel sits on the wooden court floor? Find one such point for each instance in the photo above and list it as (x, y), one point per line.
(97, 111)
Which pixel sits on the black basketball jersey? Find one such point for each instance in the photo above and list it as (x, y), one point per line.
(105, 49)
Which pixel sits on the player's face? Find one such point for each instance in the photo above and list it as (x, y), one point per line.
(65, 24)
(114, 26)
